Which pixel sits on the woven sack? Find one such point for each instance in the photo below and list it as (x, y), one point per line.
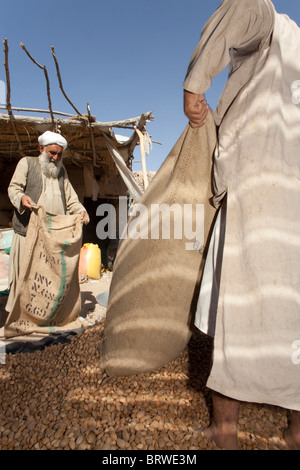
(48, 294)
(155, 283)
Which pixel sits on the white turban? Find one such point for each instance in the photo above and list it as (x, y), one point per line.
(50, 138)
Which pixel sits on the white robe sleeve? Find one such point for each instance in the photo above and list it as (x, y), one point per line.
(73, 205)
(17, 185)
(238, 27)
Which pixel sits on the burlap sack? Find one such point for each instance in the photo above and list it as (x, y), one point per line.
(155, 282)
(48, 294)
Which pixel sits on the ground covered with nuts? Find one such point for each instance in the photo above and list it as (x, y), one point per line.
(59, 399)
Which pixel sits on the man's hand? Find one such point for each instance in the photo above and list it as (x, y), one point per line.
(195, 108)
(27, 202)
(84, 217)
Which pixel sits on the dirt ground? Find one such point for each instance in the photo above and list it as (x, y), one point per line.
(91, 310)
(59, 399)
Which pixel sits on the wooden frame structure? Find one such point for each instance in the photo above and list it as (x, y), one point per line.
(87, 138)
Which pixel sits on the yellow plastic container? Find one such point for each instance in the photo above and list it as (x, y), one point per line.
(90, 261)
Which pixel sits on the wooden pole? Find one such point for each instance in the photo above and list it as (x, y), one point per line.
(8, 103)
(92, 136)
(33, 110)
(60, 82)
(43, 67)
(143, 158)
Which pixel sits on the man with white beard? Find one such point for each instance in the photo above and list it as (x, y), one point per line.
(40, 181)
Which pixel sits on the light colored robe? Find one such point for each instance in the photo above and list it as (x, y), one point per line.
(50, 199)
(257, 167)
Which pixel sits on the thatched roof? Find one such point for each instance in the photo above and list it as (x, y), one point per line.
(86, 137)
(88, 140)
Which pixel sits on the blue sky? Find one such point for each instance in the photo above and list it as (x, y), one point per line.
(123, 58)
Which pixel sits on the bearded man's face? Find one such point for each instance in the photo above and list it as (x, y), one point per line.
(51, 160)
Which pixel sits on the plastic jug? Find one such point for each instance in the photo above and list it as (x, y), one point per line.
(90, 261)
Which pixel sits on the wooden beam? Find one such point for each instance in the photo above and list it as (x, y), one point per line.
(60, 82)
(43, 67)
(8, 103)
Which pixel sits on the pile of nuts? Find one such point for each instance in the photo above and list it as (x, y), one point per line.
(59, 399)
